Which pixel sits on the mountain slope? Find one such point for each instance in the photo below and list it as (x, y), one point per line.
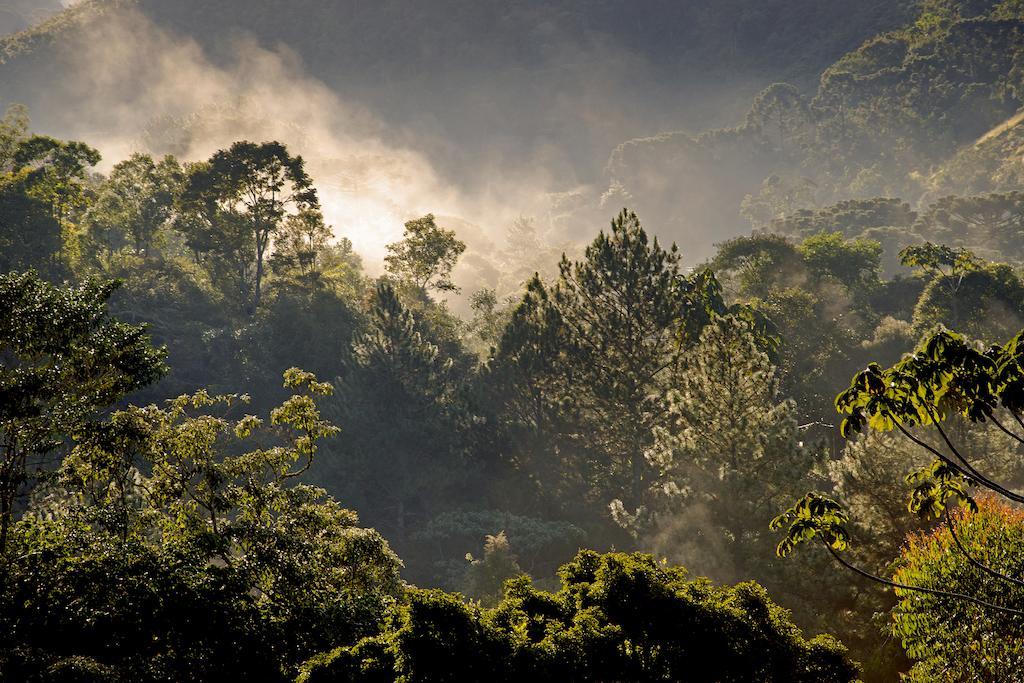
(917, 113)
(492, 77)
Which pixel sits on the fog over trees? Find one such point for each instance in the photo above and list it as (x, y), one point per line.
(444, 341)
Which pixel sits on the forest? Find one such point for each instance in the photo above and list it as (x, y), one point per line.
(744, 404)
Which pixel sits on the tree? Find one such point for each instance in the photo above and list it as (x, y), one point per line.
(934, 628)
(980, 299)
(729, 454)
(526, 253)
(852, 262)
(617, 617)
(805, 290)
(487, 574)
(426, 255)
(777, 199)
(400, 410)
(489, 320)
(55, 170)
(584, 364)
(850, 217)
(14, 128)
(81, 606)
(946, 380)
(136, 203)
(30, 237)
(64, 360)
(299, 320)
(779, 111)
(238, 200)
(300, 245)
(992, 223)
(185, 542)
(537, 545)
(756, 266)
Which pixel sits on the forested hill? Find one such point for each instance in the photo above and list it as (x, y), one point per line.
(471, 71)
(919, 113)
(351, 41)
(804, 326)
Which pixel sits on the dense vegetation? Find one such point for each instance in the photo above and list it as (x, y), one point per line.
(601, 472)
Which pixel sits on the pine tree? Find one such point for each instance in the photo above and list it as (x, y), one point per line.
(584, 364)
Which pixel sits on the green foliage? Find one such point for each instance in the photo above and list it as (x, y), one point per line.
(945, 375)
(850, 217)
(135, 205)
(778, 196)
(235, 205)
(985, 303)
(302, 240)
(616, 617)
(42, 188)
(81, 608)
(812, 517)
(201, 555)
(853, 263)
(697, 400)
(947, 383)
(755, 265)
(400, 375)
(14, 127)
(487, 574)
(950, 638)
(587, 361)
(64, 361)
(819, 296)
(539, 545)
(425, 256)
(779, 112)
(991, 225)
(728, 455)
(30, 237)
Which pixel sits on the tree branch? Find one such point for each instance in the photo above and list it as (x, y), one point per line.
(919, 589)
(988, 570)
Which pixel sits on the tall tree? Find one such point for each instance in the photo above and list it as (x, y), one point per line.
(239, 200)
(400, 410)
(56, 169)
(426, 255)
(62, 360)
(136, 202)
(588, 360)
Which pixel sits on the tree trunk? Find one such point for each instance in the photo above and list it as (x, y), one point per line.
(260, 248)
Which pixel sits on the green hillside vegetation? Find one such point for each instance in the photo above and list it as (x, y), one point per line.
(478, 76)
(914, 113)
(608, 467)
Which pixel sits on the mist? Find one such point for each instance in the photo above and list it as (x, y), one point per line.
(456, 130)
(541, 443)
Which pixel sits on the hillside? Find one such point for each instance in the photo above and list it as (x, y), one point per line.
(523, 107)
(570, 323)
(487, 77)
(916, 113)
